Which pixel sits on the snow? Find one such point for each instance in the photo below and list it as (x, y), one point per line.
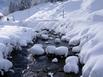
(2, 50)
(55, 60)
(97, 69)
(71, 68)
(50, 74)
(65, 39)
(1, 15)
(36, 50)
(12, 37)
(44, 36)
(71, 65)
(74, 41)
(81, 25)
(5, 65)
(50, 49)
(62, 50)
(76, 49)
(57, 40)
(72, 59)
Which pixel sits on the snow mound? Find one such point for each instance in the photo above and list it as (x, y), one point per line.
(62, 50)
(50, 49)
(57, 40)
(2, 50)
(44, 36)
(55, 60)
(65, 38)
(36, 50)
(71, 68)
(5, 65)
(71, 65)
(76, 49)
(72, 59)
(74, 41)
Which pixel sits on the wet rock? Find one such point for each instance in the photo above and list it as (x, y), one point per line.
(59, 74)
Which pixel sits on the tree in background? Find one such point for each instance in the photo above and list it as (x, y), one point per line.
(16, 5)
(25, 4)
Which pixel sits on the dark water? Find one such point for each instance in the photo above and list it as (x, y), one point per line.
(43, 64)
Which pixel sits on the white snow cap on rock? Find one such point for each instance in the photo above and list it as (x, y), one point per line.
(36, 50)
(71, 59)
(44, 36)
(76, 49)
(4, 39)
(70, 67)
(2, 49)
(57, 40)
(62, 50)
(55, 60)
(5, 64)
(74, 41)
(65, 38)
(50, 49)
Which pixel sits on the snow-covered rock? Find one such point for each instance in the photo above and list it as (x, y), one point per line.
(55, 60)
(36, 50)
(71, 68)
(50, 74)
(65, 38)
(71, 65)
(72, 59)
(39, 45)
(57, 40)
(62, 50)
(44, 36)
(1, 15)
(76, 49)
(2, 50)
(5, 65)
(50, 49)
(74, 41)
(4, 39)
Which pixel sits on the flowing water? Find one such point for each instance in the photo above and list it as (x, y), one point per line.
(42, 65)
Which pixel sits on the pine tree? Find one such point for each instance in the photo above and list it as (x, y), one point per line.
(25, 4)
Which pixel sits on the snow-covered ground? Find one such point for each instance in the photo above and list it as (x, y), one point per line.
(80, 20)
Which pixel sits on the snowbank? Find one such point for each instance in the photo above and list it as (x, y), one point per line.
(12, 37)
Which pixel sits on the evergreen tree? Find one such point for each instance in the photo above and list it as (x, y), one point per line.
(25, 4)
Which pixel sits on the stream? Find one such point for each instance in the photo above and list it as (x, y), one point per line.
(42, 65)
